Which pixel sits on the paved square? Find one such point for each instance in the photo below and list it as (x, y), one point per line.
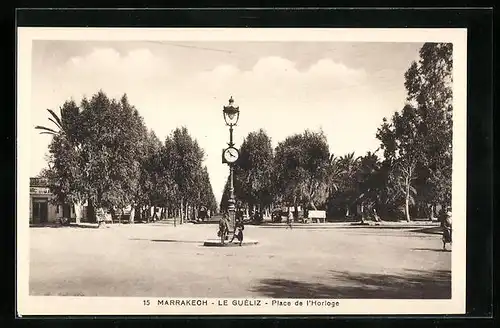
(160, 260)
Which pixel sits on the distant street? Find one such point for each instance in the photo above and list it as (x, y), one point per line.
(158, 259)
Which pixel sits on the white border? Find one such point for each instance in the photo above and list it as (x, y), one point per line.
(54, 305)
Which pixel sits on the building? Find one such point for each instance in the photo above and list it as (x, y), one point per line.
(42, 210)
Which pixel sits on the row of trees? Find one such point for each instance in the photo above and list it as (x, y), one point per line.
(102, 153)
(413, 175)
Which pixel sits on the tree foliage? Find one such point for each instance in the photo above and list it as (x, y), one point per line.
(417, 142)
(252, 171)
(429, 84)
(302, 163)
(101, 152)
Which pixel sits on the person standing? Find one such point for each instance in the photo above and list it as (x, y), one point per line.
(289, 220)
(223, 228)
(238, 231)
(446, 223)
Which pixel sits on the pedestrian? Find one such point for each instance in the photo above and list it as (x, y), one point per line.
(447, 227)
(289, 220)
(223, 227)
(238, 231)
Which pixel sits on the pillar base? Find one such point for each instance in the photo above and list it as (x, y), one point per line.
(217, 243)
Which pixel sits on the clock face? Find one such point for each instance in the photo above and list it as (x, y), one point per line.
(231, 155)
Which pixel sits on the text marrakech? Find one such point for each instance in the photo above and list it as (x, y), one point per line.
(183, 302)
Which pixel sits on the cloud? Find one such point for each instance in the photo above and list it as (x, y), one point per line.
(274, 67)
(138, 64)
(336, 72)
(277, 82)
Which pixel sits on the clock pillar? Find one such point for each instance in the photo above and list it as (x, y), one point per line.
(231, 208)
(231, 115)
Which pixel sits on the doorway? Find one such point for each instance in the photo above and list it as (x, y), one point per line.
(66, 211)
(40, 210)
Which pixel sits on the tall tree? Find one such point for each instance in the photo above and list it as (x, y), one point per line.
(403, 145)
(301, 168)
(370, 183)
(114, 140)
(429, 84)
(223, 205)
(148, 193)
(253, 170)
(207, 194)
(95, 155)
(186, 158)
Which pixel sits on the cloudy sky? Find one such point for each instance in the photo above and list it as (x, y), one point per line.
(283, 87)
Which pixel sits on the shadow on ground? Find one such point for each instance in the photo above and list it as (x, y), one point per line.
(432, 230)
(412, 284)
(169, 240)
(176, 241)
(431, 249)
(59, 226)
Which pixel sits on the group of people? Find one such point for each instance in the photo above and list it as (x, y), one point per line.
(224, 229)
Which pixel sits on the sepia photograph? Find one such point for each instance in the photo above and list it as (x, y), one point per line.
(228, 171)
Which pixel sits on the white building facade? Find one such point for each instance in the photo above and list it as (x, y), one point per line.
(42, 210)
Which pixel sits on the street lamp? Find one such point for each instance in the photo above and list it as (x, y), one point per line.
(231, 115)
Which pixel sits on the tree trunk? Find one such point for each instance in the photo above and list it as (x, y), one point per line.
(78, 212)
(407, 200)
(181, 211)
(138, 210)
(362, 213)
(131, 217)
(347, 211)
(175, 217)
(185, 213)
(90, 211)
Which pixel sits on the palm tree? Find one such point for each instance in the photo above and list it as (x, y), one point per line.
(349, 165)
(66, 123)
(66, 128)
(334, 174)
(54, 119)
(368, 185)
